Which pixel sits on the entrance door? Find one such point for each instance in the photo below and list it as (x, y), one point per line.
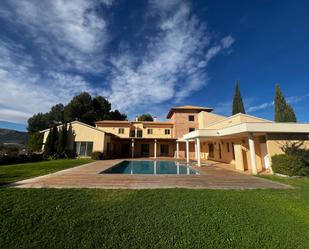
(264, 156)
(164, 149)
(145, 149)
(125, 150)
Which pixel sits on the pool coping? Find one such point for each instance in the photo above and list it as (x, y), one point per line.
(87, 176)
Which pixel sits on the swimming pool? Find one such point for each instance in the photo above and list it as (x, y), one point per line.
(150, 167)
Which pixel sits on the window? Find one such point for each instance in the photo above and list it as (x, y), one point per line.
(167, 131)
(132, 133)
(139, 133)
(121, 131)
(149, 131)
(83, 149)
(191, 129)
(211, 150)
(191, 118)
(228, 147)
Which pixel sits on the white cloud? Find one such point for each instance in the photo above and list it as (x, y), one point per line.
(266, 105)
(23, 91)
(69, 33)
(69, 40)
(173, 64)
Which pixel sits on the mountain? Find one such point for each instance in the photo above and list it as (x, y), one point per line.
(12, 136)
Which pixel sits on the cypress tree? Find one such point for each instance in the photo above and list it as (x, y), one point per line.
(283, 111)
(50, 147)
(62, 140)
(290, 114)
(238, 105)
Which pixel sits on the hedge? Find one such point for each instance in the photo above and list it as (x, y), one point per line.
(5, 160)
(289, 165)
(97, 155)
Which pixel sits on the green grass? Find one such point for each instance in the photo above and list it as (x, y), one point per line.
(17, 172)
(168, 218)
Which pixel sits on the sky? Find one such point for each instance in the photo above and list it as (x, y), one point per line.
(147, 56)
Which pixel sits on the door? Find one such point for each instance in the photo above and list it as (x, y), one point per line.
(264, 156)
(125, 150)
(145, 149)
(164, 149)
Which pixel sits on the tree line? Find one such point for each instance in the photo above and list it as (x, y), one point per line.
(82, 107)
(283, 111)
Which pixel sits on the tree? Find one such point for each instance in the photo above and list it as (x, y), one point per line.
(290, 114)
(145, 117)
(56, 114)
(238, 105)
(50, 147)
(283, 111)
(62, 140)
(38, 122)
(80, 108)
(35, 141)
(116, 115)
(101, 107)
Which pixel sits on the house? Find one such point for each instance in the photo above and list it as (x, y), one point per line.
(191, 133)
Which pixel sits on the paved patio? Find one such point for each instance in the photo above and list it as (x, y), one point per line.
(216, 176)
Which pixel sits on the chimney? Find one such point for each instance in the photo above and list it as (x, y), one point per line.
(136, 118)
(155, 119)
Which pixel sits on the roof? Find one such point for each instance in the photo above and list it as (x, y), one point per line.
(259, 127)
(134, 122)
(188, 107)
(78, 122)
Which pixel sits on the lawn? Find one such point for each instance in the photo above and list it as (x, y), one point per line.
(17, 172)
(166, 218)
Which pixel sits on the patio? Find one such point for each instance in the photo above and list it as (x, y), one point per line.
(216, 176)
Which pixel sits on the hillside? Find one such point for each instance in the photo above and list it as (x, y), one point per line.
(12, 136)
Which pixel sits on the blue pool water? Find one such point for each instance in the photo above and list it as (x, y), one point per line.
(150, 167)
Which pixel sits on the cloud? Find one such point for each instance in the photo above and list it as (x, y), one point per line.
(62, 45)
(69, 33)
(22, 91)
(266, 105)
(174, 62)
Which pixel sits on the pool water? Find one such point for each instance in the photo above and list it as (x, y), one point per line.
(150, 167)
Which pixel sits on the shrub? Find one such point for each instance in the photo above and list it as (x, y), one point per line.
(288, 165)
(5, 160)
(97, 155)
(297, 149)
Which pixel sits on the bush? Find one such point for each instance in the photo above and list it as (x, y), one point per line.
(97, 155)
(5, 160)
(289, 165)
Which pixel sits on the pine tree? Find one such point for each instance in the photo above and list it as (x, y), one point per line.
(283, 111)
(238, 105)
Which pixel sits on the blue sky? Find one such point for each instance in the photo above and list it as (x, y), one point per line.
(146, 56)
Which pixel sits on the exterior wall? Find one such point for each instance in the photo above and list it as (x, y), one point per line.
(158, 129)
(114, 129)
(275, 141)
(207, 118)
(234, 120)
(182, 123)
(242, 159)
(82, 133)
(157, 132)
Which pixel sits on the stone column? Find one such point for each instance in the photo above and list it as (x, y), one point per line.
(177, 149)
(198, 147)
(252, 154)
(155, 148)
(187, 151)
(132, 148)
